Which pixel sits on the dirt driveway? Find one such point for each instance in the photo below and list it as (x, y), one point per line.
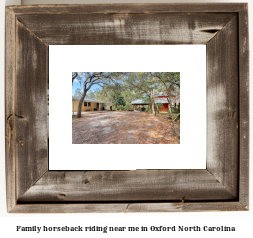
(123, 128)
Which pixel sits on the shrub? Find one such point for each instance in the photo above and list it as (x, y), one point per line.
(128, 107)
(121, 108)
(176, 109)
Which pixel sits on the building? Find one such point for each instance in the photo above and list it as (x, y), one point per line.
(139, 104)
(88, 104)
(160, 98)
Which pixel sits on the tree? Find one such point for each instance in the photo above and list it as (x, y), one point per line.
(145, 83)
(130, 95)
(170, 86)
(113, 88)
(121, 88)
(89, 79)
(74, 75)
(118, 100)
(93, 93)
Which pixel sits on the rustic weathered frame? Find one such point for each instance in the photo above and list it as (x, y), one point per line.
(222, 186)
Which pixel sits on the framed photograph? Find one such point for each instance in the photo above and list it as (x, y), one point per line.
(129, 131)
(32, 32)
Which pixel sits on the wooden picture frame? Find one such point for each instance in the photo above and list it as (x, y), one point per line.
(223, 186)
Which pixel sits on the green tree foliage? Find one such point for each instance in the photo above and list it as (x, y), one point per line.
(93, 93)
(145, 83)
(121, 88)
(169, 84)
(118, 100)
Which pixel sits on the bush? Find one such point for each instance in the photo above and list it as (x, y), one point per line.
(176, 109)
(121, 108)
(128, 107)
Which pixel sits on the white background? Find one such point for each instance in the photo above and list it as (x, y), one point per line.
(63, 155)
(242, 220)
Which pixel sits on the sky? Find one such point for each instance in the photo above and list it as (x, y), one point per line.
(76, 85)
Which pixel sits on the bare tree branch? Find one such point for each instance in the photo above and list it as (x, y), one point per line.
(74, 76)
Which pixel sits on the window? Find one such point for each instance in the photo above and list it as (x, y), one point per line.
(85, 104)
(88, 104)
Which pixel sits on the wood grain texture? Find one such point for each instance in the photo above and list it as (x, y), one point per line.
(30, 109)
(244, 106)
(222, 107)
(129, 207)
(186, 207)
(122, 29)
(223, 186)
(129, 8)
(9, 108)
(140, 185)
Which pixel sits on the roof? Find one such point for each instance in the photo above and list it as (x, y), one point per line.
(164, 95)
(142, 102)
(161, 100)
(139, 102)
(87, 99)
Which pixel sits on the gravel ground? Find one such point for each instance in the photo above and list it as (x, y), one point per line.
(123, 128)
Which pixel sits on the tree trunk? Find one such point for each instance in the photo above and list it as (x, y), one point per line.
(157, 108)
(152, 102)
(79, 111)
(149, 109)
(152, 106)
(172, 119)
